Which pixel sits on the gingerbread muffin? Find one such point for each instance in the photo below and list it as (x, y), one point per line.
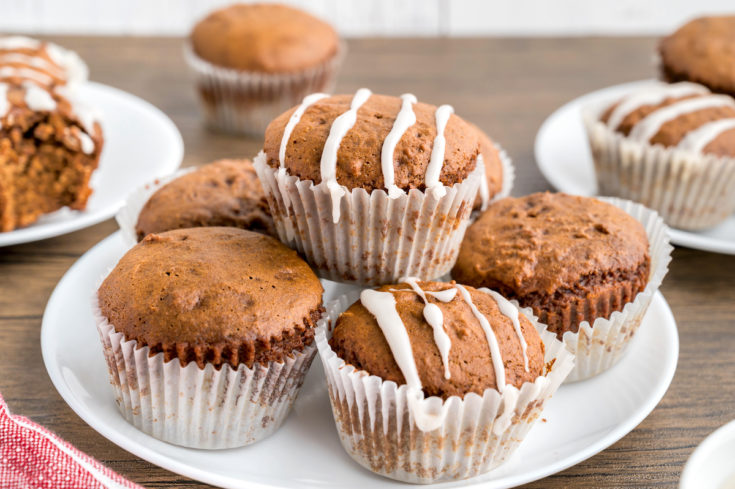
(444, 358)
(701, 51)
(23, 58)
(253, 61)
(204, 308)
(371, 187)
(223, 193)
(49, 146)
(670, 147)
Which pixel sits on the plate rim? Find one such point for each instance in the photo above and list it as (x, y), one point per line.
(141, 450)
(84, 219)
(678, 236)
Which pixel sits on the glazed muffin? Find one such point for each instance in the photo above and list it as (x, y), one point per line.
(50, 144)
(669, 147)
(701, 51)
(253, 61)
(371, 187)
(499, 172)
(223, 193)
(571, 259)
(454, 359)
(188, 314)
(45, 63)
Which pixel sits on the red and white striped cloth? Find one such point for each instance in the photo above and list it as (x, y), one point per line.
(31, 457)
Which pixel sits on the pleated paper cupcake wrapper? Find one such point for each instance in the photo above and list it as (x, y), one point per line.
(691, 191)
(600, 346)
(246, 102)
(127, 216)
(200, 408)
(509, 175)
(377, 239)
(478, 433)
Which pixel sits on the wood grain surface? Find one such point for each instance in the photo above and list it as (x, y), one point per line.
(507, 87)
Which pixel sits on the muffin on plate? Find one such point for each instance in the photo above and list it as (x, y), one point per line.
(208, 334)
(253, 61)
(371, 187)
(435, 381)
(499, 172)
(670, 147)
(701, 51)
(23, 58)
(222, 193)
(50, 144)
(586, 267)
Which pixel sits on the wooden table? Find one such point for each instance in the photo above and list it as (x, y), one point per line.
(507, 87)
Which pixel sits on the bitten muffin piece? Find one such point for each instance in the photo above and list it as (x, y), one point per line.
(359, 153)
(23, 58)
(359, 340)
(268, 38)
(223, 193)
(570, 258)
(49, 147)
(213, 295)
(701, 51)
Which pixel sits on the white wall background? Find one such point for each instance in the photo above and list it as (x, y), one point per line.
(356, 18)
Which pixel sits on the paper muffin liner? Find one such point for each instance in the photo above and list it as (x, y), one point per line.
(127, 216)
(509, 175)
(478, 433)
(194, 407)
(377, 239)
(246, 102)
(599, 346)
(691, 191)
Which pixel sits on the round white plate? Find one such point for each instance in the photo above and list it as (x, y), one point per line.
(582, 418)
(563, 156)
(141, 144)
(710, 465)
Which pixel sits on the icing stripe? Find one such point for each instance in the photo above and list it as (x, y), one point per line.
(653, 95)
(433, 171)
(35, 62)
(511, 312)
(19, 42)
(697, 139)
(86, 142)
(328, 164)
(29, 73)
(484, 189)
(293, 121)
(37, 98)
(4, 103)
(650, 125)
(405, 119)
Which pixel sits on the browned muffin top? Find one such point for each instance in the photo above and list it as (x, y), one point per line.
(213, 295)
(702, 51)
(682, 115)
(268, 38)
(359, 154)
(223, 193)
(359, 340)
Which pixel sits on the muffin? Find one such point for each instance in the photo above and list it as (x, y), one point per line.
(370, 188)
(701, 51)
(253, 61)
(499, 172)
(576, 261)
(434, 381)
(49, 146)
(669, 147)
(208, 334)
(23, 58)
(223, 193)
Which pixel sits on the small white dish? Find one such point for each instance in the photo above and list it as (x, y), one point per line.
(141, 144)
(581, 420)
(563, 156)
(711, 464)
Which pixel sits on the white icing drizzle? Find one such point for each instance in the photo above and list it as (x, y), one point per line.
(446, 295)
(86, 142)
(4, 103)
(328, 164)
(86, 115)
(697, 139)
(293, 121)
(484, 189)
(433, 171)
(28, 73)
(405, 119)
(511, 312)
(492, 341)
(19, 42)
(31, 61)
(653, 95)
(76, 69)
(37, 98)
(647, 127)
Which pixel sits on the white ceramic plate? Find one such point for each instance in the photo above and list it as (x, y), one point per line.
(582, 418)
(563, 156)
(141, 144)
(710, 465)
